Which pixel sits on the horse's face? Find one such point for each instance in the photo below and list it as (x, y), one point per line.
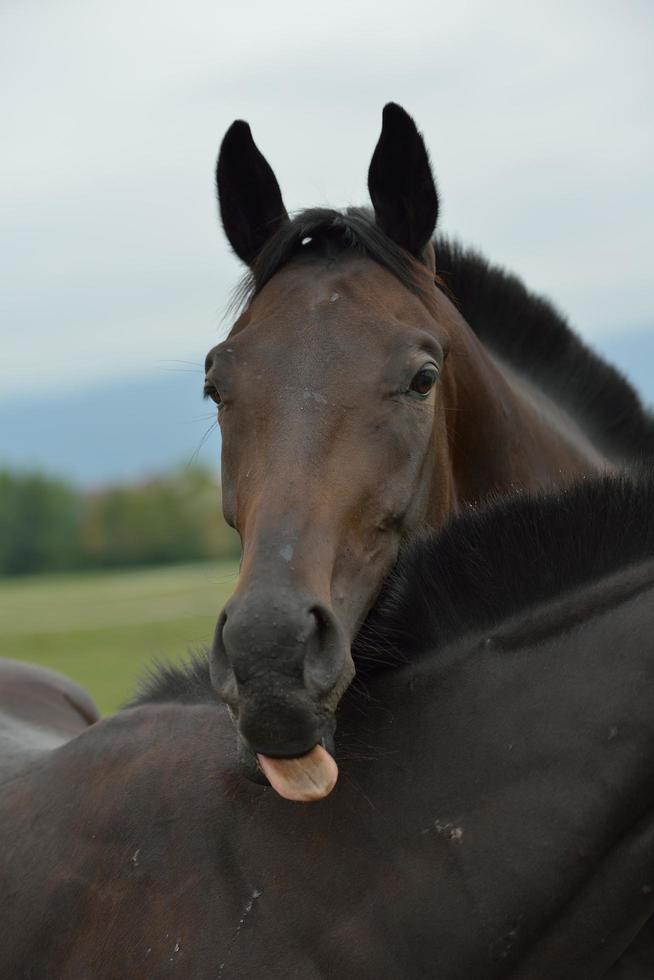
(332, 417)
(332, 411)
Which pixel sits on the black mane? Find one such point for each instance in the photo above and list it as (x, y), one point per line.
(529, 333)
(481, 568)
(503, 559)
(185, 682)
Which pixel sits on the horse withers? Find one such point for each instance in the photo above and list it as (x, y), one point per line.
(494, 817)
(358, 403)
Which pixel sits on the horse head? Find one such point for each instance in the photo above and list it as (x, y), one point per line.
(332, 407)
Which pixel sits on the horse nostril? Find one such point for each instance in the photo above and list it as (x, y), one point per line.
(271, 642)
(325, 652)
(223, 679)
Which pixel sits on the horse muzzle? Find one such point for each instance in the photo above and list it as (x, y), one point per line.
(281, 662)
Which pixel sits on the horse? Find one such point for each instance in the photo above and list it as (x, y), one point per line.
(494, 817)
(41, 710)
(376, 380)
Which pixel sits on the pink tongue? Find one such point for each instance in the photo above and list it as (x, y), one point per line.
(310, 777)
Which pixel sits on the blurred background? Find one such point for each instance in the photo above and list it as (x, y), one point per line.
(115, 275)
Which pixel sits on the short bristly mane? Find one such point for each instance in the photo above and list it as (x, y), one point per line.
(483, 567)
(503, 559)
(183, 682)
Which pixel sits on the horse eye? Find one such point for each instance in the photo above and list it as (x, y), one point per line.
(210, 391)
(424, 381)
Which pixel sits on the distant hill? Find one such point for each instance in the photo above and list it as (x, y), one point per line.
(122, 430)
(113, 432)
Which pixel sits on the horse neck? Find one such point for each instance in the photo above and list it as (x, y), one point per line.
(503, 432)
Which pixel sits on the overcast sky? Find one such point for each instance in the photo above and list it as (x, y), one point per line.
(539, 118)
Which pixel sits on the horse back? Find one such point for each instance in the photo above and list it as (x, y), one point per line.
(39, 710)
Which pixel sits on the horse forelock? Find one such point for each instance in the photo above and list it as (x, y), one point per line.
(325, 233)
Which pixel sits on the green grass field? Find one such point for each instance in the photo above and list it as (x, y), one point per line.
(102, 628)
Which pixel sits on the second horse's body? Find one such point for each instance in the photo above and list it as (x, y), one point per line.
(494, 817)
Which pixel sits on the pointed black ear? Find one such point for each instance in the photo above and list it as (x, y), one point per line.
(400, 182)
(251, 205)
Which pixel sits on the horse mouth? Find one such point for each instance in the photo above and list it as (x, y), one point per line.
(301, 778)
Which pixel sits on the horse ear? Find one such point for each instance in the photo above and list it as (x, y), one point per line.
(251, 205)
(401, 184)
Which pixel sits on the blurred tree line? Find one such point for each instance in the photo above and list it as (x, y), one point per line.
(48, 525)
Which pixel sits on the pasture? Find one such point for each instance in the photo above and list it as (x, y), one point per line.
(102, 628)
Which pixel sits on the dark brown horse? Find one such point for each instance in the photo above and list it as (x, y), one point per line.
(494, 816)
(374, 383)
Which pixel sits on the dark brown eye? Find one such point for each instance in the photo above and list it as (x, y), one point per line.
(210, 391)
(424, 380)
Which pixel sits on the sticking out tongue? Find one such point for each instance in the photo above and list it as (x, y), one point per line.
(309, 777)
